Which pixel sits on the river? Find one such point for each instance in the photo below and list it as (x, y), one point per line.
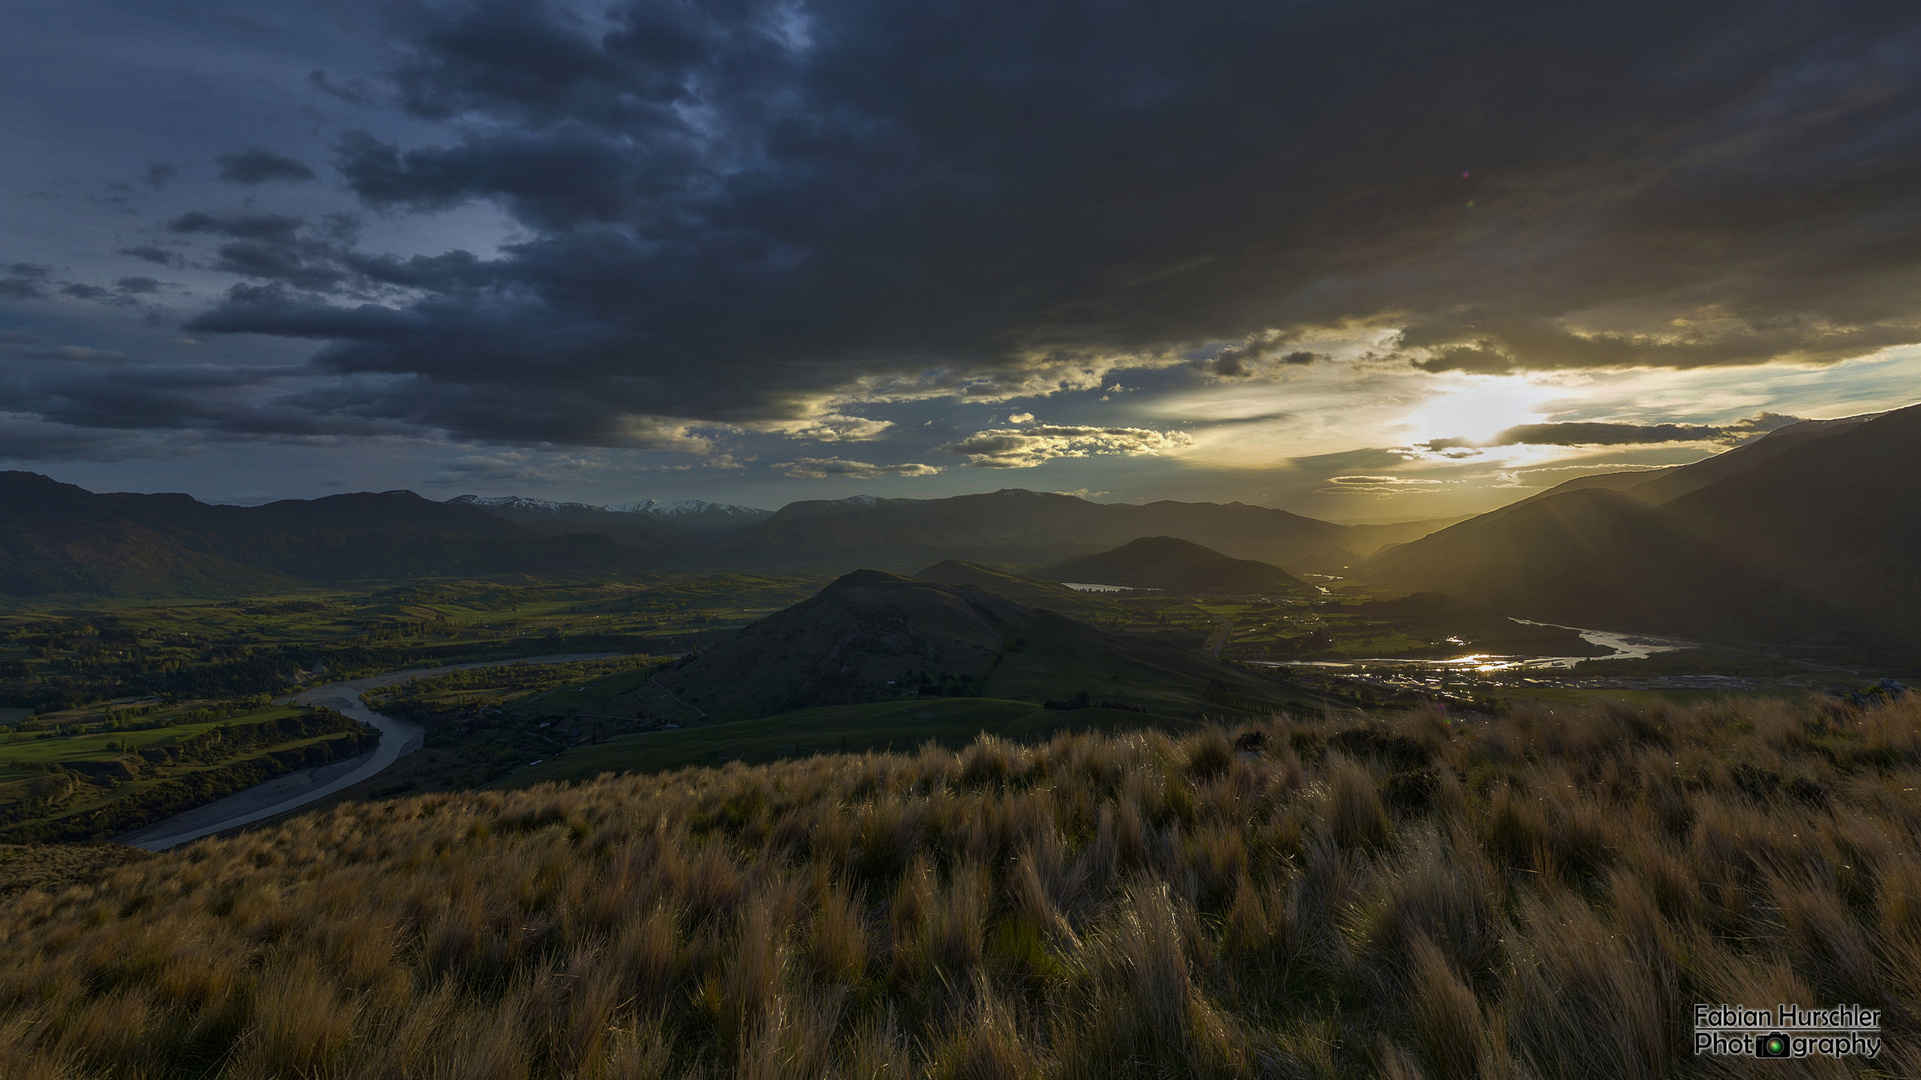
(295, 790)
(1625, 646)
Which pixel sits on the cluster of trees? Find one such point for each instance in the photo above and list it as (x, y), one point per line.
(1082, 700)
(946, 684)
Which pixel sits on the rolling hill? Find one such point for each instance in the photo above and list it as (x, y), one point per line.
(1812, 541)
(871, 636)
(1175, 565)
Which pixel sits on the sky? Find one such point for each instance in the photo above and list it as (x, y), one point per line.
(1368, 261)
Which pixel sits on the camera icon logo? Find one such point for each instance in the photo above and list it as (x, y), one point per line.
(1772, 1045)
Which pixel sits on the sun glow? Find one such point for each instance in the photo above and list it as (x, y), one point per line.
(1478, 407)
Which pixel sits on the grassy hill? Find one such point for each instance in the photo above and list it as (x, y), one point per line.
(1176, 565)
(874, 636)
(1545, 895)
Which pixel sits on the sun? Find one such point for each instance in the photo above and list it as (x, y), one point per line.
(1478, 407)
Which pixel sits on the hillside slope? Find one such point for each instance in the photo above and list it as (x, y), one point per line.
(1032, 591)
(1166, 562)
(1813, 543)
(1656, 486)
(871, 635)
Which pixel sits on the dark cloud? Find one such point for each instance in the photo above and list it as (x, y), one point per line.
(291, 250)
(257, 165)
(158, 174)
(154, 254)
(353, 91)
(126, 291)
(1258, 355)
(273, 228)
(745, 212)
(23, 281)
(105, 391)
(1600, 433)
(278, 262)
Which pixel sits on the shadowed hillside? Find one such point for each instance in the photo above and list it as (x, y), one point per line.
(1544, 895)
(1164, 562)
(1034, 592)
(871, 629)
(1656, 486)
(1815, 543)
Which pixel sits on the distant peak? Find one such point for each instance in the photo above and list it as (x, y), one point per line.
(858, 578)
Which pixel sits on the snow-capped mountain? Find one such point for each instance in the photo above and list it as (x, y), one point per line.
(680, 509)
(695, 514)
(521, 504)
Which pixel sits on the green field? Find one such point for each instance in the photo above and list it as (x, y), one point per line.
(51, 781)
(59, 658)
(39, 748)
(898, 725)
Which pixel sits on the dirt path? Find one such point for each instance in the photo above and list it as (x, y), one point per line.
(285, 793)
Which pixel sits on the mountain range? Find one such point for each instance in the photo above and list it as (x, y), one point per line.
(1808, 535)
(59, 539)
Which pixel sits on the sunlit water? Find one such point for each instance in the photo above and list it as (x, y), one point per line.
(1625, 646)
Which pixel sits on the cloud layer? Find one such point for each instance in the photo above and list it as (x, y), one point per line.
(742, 213)
(813, 237)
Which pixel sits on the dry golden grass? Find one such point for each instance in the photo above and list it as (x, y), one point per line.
(1544, 895)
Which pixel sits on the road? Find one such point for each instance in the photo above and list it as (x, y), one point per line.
(295, 790)
(1218, 641)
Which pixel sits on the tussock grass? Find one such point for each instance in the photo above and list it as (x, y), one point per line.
(1544, 895)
